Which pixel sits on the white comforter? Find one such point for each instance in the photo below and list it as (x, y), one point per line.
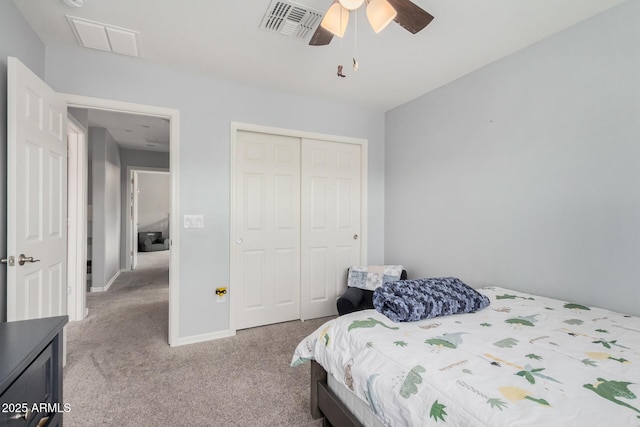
(525, 360)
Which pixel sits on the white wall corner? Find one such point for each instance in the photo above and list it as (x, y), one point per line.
(106, 287)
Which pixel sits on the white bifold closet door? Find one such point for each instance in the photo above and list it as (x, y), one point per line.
(297, 226)
(330, 223)
(267, 246)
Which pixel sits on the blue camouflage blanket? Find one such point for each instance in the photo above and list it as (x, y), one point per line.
(412, 300)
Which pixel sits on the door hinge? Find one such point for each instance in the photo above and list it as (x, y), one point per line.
(69, 290)
(10, 261)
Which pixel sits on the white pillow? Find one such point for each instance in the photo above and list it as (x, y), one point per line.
(373, 276)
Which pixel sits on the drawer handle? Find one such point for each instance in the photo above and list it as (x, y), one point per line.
(20, 415)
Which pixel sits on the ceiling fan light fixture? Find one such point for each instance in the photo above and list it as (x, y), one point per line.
(336, 19)
(351, 4)
(380, 13)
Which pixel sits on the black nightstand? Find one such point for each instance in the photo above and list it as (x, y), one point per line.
(31, 372)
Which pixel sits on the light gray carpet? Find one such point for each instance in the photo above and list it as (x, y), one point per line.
(121, 372)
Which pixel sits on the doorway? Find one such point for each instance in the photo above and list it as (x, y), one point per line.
(172, 118)
(149, 211)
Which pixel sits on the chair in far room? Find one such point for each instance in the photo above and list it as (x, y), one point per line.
(151, 241)
(362, 281)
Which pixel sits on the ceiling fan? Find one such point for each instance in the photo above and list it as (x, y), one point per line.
(379, 12)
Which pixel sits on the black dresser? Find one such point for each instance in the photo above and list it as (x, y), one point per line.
(31, 372)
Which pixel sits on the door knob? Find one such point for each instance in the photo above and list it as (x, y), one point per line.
(355, 237)
(22, 259)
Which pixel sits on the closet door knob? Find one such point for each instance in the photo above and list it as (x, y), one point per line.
(355, 237)
(239, 241)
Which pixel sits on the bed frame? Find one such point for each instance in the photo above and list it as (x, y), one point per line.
(324, 403)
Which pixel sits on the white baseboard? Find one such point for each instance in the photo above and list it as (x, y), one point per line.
(106, 287)
(194, 339)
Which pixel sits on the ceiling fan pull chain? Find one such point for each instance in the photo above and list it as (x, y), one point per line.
(340, 67)
(355, 42)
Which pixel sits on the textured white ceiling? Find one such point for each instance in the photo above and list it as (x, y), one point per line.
(133, 131)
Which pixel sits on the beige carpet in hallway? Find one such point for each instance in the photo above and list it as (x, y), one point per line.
(121, 372)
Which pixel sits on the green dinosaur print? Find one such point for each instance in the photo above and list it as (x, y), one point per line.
(589, 362)
(446, 340)
(515, 393)
(400, 343)
(410, 384)
(523, 320)
(486, 325)
(610, 390)
(436, 341)
(506, 343)
(538, 401)
(437, 411)
(497, 403)
(533, 356)
(326, 339)
(572, 306)
(368, 323)
(604, 356)
(607, 344)
(529, 373)
(602, 331)
(507, 296)
(621, 360)
(574, 322)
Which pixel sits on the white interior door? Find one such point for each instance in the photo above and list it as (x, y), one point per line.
(77, 224)
(134, 219)
(331, 200)
(36, 196)
(266, 234)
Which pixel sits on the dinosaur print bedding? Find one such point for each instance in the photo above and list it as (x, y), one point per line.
(525, 360)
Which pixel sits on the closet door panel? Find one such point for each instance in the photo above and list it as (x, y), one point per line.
(331, 198)
(266, 249)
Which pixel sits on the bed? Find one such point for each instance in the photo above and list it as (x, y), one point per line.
(524, 360)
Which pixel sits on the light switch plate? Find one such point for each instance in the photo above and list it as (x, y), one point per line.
(193, 221)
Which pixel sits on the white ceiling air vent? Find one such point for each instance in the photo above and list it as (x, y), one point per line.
(291, 19)
(96, 35)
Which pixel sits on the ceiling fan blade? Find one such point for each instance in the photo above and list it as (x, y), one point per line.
(410, 16)
(321, 37)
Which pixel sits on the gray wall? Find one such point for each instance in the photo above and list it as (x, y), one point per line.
(206, 109)
(105, 259)
(16, 39)
(140, 159)
(525, 174)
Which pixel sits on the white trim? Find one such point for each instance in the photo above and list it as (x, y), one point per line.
(106, 287)
(129, 237)
(194, 339)
(364, 177)
(77, 219)
(239, 126)
(173, 115)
